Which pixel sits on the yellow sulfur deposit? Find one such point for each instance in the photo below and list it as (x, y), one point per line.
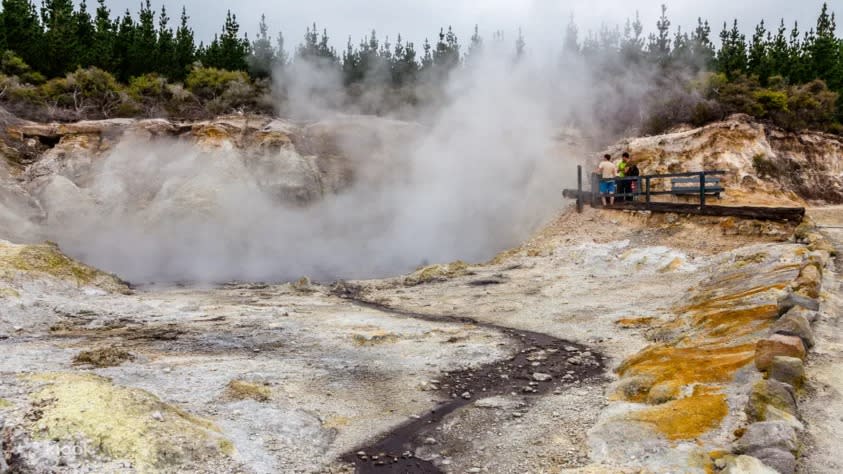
(123, 423)
(48, 259)
(242, 390)
(689, 365)
(686, 418)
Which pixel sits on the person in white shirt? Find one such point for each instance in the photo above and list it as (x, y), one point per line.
(608, 172)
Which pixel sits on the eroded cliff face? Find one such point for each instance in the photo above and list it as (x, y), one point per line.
(764, 165)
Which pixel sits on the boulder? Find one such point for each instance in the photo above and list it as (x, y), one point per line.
(792, 300)
(795, 324)
(770, 393)
(811, 316)
(777, 345)
(775, 414)
(789, 370)
(809, 281)
(782, 461)
(767, 434)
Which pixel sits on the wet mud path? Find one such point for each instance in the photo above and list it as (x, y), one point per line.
(540, 365)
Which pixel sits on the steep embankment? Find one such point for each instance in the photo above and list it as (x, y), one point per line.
(764, 165)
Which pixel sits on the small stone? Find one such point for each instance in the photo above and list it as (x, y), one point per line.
(540, 377)
(720, 463)
(156, 415)
(789, 370)
(473, 470)
(430, 441)
(768, 434)
(777, 345)
(466, 395)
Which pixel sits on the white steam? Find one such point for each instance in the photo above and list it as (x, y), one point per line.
(483, 172)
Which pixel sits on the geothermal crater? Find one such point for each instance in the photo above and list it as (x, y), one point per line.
(476, 324)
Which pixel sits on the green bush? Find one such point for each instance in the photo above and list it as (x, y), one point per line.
(90, 91)
(148, 86)
(770, 102)
(210, 83)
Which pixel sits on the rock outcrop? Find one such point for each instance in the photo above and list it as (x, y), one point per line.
(764, 165)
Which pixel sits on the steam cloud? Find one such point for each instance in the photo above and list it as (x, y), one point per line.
(482, 172)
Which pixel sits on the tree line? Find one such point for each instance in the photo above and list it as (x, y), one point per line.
(55, 51)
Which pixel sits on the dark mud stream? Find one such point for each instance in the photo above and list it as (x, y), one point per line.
(559, 363)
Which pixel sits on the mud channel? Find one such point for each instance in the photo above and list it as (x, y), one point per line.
(541, 364)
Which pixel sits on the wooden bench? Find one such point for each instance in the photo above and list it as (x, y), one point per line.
(684, 186)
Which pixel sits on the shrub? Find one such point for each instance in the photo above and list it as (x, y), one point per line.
(85, 91)
(148, 86)
(210, 83)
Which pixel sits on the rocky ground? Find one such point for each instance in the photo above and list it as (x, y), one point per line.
(608, 342)
(824, 397)
(295, 377)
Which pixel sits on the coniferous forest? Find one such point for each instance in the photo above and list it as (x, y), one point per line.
(66, 62)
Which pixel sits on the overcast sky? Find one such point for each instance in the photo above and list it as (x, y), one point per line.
(543, 21)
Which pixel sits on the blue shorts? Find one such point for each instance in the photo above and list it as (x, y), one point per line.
(607, 187)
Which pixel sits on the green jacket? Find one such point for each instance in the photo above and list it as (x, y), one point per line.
(622, 166)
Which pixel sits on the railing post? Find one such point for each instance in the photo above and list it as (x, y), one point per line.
(647, 180)
(579, 188)
(702, 189)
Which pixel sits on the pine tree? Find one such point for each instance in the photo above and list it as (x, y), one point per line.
(797, 68)
(60, 49)
(659, 45)
(446, 56)
(233, 49)
(142, 49)
(632, 42)
(281, 57)
(165, 54)
(102, 51)
(404, 68)
(262, 54)
(758, 61)
(427, 58)
(185, 48)
(23, 33)
(475, 47)
(731, 59)
(682, 54)
(316, 48)
(609, 39)
(702, 49)
(351, 65)
(571, 43)
(825, 51)
(85, 33)
(779, 53)
(123, 41)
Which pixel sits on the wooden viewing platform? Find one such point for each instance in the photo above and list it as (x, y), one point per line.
(641, 197)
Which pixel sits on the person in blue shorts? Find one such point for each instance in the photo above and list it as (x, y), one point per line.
(608, 172)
